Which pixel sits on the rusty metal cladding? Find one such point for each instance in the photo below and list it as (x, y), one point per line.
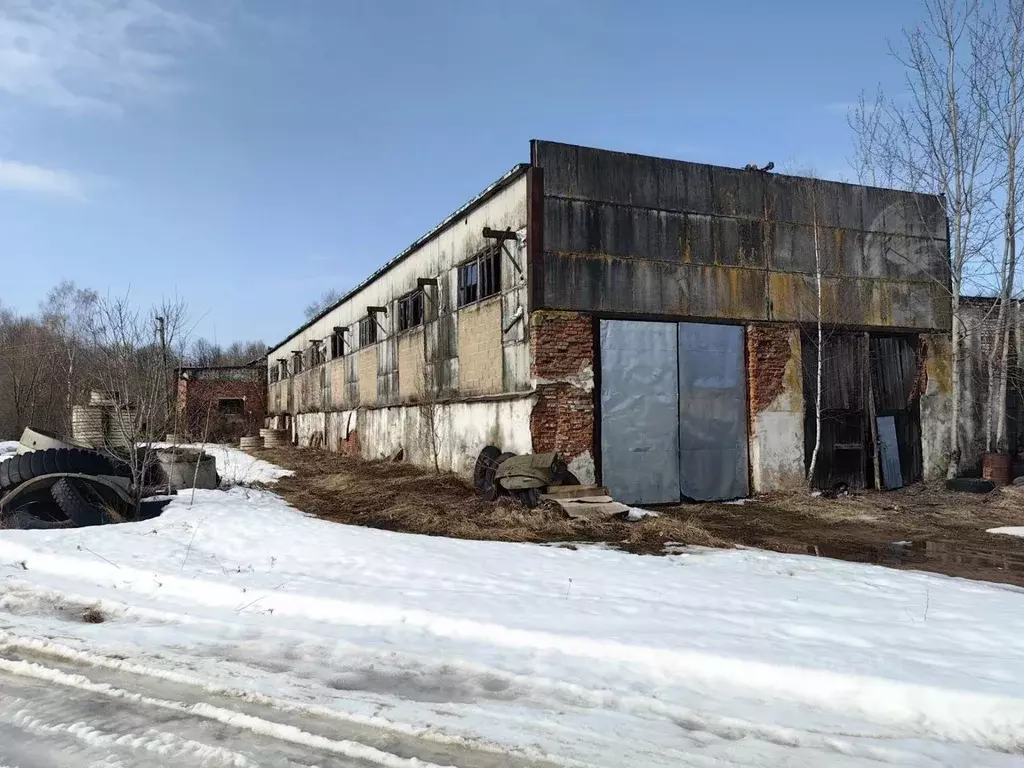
(620, 223)
(535, 237)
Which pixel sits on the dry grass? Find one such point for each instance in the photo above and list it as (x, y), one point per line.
(947, 528)
(93, 615)
(401, 497)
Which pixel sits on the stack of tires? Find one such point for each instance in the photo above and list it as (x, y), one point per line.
(66, 502)
(276, 438)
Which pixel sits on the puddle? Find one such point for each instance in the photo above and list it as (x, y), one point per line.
(950, 557)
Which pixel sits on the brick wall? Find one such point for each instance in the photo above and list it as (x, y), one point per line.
(336, 379)
(562, 344)
(480, 356)
(367, 366)
(769, 352)
(776, 402)
(410, 365)
(198, 408)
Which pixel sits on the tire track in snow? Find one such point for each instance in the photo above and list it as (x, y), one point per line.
(357, 754)
(362, 744)
(990, 721)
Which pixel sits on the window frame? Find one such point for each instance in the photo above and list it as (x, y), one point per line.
(408, 316)
(368, 331)
(480, 273)
(337, 345)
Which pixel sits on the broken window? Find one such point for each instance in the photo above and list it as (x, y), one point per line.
(490, 271)
(367, 331)
(316, 354)
(410, 311)
(337, 344)
(275, 373)
(467, 283)
(283, 366)
(481, 276)
(297, 362)
(231, 406)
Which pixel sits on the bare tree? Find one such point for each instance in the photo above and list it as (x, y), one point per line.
(819, 323)
(326, 299)
(938, 142)
(1000, 39)
(130, 370)
(69, 312)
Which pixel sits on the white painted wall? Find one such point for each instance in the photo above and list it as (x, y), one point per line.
(463, 428)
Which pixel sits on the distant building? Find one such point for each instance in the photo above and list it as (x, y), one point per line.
(654, 321)
(222, 402)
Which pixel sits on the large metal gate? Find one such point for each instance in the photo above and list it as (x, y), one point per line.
(712, 412)
(673, 411)
(640, 411)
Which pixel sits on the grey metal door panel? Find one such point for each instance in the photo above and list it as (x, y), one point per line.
(889, 452)
(712, 412)
(640, 411)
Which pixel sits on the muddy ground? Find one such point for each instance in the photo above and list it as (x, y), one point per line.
(919, 527)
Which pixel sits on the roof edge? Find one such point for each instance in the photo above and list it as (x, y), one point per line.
(488, 192)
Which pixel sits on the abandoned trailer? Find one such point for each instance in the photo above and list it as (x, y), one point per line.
(656, 322)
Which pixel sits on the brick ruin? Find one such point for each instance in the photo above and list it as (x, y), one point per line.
(563, 367)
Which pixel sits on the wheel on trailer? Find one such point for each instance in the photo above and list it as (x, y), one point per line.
(484, 468)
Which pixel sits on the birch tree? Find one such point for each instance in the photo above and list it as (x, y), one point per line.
(1000, 38)
(937, 141)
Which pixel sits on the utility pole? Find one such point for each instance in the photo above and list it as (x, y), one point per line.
(161, 332)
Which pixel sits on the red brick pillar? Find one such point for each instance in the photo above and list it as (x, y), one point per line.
(562, 346)
(776, 398)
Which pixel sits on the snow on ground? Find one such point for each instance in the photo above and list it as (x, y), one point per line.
(237, 467)
(1009, 530)
(594, 657)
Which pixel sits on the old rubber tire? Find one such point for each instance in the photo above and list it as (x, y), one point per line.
(26, 521)
(485, 462)
(25, 466)
(73, 504)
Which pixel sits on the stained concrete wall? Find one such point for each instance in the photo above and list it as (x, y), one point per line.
(380, 392)
(462, 429)
(635, 235)
(936, 405)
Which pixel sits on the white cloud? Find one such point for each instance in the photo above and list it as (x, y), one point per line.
(92, 54)
(23, 177)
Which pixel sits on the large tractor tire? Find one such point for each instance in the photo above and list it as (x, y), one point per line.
(18, 469)
(73, 503)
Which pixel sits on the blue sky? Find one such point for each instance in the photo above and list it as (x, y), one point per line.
(248, 154)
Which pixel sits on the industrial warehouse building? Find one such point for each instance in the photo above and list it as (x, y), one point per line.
(653, 321)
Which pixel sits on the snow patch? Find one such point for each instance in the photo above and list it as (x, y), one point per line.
(237, 467)
(1008, 530)
(741, 656)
